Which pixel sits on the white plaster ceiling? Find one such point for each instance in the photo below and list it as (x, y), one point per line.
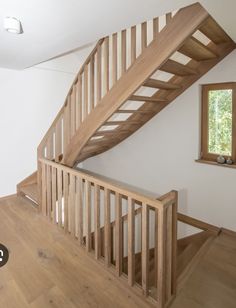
(54, 27)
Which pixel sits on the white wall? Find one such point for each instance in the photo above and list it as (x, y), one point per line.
(161, 157)
(30, 100)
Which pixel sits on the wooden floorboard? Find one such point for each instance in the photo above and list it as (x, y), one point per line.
(47, 268)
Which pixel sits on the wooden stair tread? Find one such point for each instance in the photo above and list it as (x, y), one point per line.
(132, 111)
(196, 50)
(31, 191)
(146, 99)
(195, 243)
(177, 68)
(109, 132)
(127, 121)
(186, 256)
(158, 84)
(31, 179)
(214, 32)
(183, 242)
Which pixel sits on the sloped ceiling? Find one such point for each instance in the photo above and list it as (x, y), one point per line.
(53, 27)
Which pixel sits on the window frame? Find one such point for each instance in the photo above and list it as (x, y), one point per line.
(205, 155)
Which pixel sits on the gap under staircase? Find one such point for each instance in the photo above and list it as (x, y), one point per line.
(127, 79)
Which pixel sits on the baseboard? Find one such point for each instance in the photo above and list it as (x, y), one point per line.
(228, 232)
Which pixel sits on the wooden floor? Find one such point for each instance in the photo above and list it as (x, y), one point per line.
(47, 268)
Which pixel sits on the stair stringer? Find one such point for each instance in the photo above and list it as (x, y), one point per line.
(170, 39)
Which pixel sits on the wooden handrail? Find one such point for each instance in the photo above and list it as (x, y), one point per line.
(198, 223)
(122, 190)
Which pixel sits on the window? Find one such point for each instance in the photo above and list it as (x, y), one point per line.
(218, 121)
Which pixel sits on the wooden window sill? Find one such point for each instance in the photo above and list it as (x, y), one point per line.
(214, 163)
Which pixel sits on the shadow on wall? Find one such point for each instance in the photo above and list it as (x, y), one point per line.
(183, 205)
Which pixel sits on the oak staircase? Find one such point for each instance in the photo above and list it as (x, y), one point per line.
(129, 77)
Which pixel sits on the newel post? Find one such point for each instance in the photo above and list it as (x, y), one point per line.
(39, 178)
(174, 241)
(167, 249)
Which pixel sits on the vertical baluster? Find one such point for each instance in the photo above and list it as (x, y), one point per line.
(59, 196)
(79, 102)
(145, 249)
(174, 242)
(72, 111)
(168, 18)
(114, 58)
(81, 107)
(168, 252)
(39, 177)
(69, 117)
(66, 126)
(99, 73)
(69, 202)
(80, 99)
(72, 204)
(155, 27)
(112, 243)
(161, 283)
(79, 202)
(106, 65)
(107, 226)
(91, 83)
(97, 233)
(118, 234)
(44, 189)
(144, 35)
(50, 147)
(58, 140)
(88, 214)
(49, 192)
(54, 195)
(66, 199)
(123, 52)
(76, 207)
(156, 247)
(131, 253)
(133, 44)
(86, 107)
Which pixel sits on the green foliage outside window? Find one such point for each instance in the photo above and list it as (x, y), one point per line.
(220, 122)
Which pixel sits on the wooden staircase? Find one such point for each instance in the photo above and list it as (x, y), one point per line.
(107, 130)
(121, 85)
(128, 78)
